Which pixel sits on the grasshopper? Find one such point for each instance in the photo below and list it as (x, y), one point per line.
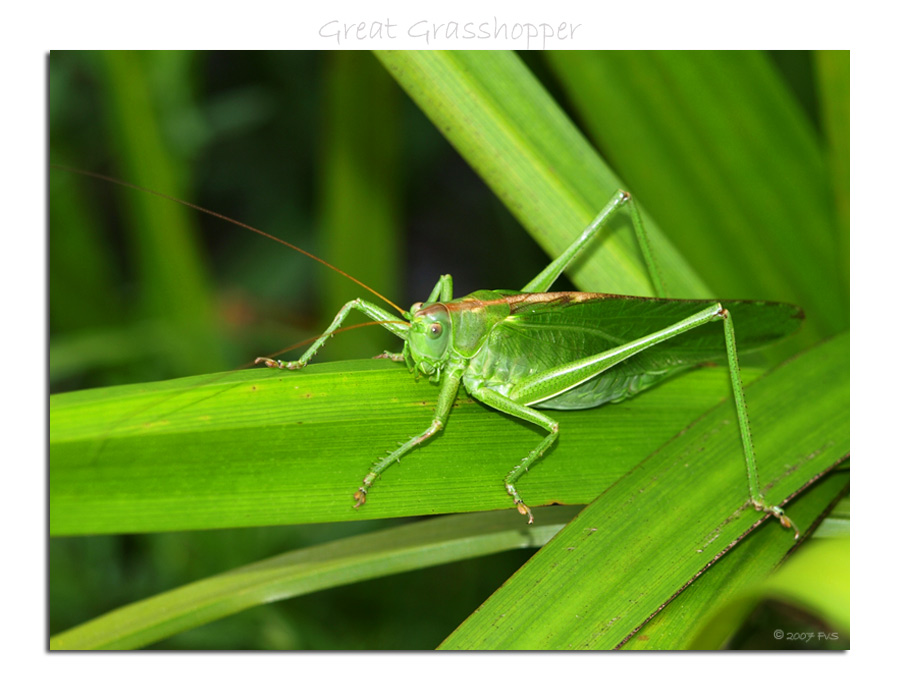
(523, 351)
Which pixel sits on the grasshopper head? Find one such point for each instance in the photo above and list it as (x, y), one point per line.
(429, 336)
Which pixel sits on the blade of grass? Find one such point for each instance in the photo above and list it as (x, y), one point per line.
(265, 448)
(647, 537)
(512, 133)
(360, 558)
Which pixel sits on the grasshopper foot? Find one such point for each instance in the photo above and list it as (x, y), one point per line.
(392, 356)
(268, 362)
(278, 364)
(520, 504)
(360, 495)
(779, 513)
(784, 519)
(525, 510)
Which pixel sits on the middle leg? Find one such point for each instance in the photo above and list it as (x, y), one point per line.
(511, 408)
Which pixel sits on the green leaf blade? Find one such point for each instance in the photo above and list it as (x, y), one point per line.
(632, 550)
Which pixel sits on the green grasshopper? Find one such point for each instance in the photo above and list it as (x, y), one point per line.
(520, 351)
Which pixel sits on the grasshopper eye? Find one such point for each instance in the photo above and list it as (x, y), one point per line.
(435, 330)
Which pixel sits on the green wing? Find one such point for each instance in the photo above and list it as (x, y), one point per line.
(546, 330)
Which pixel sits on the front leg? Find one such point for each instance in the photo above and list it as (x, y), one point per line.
(395, 325)
(449, 388)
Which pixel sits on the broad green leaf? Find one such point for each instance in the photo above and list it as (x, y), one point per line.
(263, 447)
(360, 558)
(509, 129)
(655, 530)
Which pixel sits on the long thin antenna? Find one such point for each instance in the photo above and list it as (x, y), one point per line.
(139, 188)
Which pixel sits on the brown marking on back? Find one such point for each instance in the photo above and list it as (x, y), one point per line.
(516, 300)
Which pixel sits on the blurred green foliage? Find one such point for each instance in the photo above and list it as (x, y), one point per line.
(283, 141)
(309, 147)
